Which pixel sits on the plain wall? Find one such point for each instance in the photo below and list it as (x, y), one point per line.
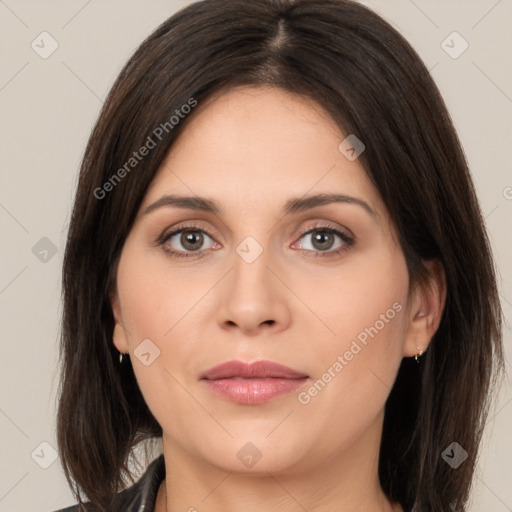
(48, 107)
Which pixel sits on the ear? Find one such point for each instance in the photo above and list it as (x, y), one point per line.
(426, 309)
(119, 336)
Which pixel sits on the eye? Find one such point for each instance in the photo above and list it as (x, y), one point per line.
(189, 239)
(325, 239)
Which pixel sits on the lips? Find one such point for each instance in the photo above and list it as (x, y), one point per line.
(252, 383)
(256, 370)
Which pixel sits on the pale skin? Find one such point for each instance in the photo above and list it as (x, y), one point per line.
(299, 303)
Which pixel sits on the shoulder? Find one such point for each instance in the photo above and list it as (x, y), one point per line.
(140, 497)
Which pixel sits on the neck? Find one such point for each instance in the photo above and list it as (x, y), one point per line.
(346, 481)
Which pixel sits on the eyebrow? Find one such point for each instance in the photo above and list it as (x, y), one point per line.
(294, 205)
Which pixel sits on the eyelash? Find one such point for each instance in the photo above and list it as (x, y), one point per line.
(348, 241)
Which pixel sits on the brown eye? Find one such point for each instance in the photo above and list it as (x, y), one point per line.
(187, 240)
(192, 240)
(323, 240)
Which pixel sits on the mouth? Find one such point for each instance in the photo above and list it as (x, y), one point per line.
(252, 383)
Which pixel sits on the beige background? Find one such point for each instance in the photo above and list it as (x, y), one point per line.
(48, 107)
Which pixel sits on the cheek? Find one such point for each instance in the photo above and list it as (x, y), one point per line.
(361, 297)
(158, 304)
(155, 298)
(365, 307)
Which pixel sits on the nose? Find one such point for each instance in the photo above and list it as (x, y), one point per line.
(253, 299)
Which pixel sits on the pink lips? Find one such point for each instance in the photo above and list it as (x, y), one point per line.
(253, 383)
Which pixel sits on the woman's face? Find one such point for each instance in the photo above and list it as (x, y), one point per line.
(276, 274)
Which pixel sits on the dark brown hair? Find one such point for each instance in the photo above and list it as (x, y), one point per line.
(364, 73)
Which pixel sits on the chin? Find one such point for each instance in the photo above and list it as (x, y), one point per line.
(257, 454)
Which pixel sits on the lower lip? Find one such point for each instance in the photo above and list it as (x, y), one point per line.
(253, 391)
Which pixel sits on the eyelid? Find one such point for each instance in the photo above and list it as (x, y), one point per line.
(327, 226)
(182, 226)
(348, 240)
(176, 229)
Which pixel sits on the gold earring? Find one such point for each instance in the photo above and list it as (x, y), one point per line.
(418, 355)
(120, 357)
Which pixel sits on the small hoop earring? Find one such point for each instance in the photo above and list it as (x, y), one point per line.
(418, 355)
(120, 357)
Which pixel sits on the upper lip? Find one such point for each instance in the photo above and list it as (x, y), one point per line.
(255, 370)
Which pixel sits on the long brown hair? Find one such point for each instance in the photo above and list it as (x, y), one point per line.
(373, 84)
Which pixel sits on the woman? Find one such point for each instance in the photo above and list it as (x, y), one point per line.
(277, 264)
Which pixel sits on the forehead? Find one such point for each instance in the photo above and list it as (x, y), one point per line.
(251, 146)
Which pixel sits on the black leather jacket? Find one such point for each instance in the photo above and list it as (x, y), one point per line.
(140, 497)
